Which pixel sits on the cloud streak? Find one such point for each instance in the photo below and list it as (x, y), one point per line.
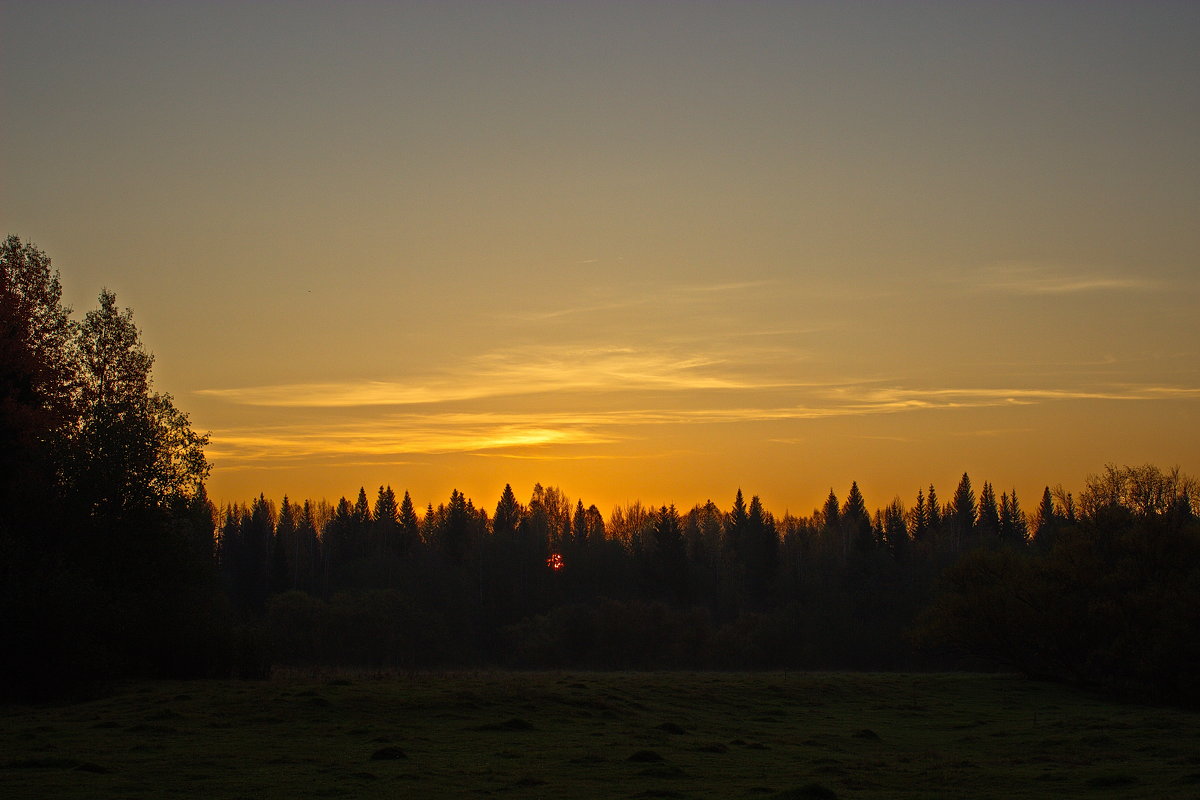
(546, 436)
(500, 374)
(1024, 279)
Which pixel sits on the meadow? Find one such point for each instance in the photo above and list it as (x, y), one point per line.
(583, 735)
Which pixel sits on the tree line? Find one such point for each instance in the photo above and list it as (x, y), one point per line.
(116, 563)
(105, 529)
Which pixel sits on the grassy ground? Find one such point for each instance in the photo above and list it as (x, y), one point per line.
(625, 735)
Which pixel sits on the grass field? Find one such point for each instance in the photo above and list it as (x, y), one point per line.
(625, 735)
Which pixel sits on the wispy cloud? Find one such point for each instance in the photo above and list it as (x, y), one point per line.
(401, 435)
(555, 435)
(498, 374)
(1028, 279)
(995, 396)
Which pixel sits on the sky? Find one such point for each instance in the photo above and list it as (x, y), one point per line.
(646, 251)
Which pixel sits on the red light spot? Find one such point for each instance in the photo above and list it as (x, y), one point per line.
(554, 562)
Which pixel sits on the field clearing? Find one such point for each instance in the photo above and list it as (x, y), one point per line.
(584, 735)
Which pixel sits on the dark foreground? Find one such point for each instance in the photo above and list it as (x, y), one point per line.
(665, 735)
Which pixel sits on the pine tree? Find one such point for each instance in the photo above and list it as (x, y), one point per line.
(1047, 521)
(669, 558)
(253, 574)
(410, 527)
(308, 554)
(988, 526)
(895, 529)
(457, 535)
(832, 540)
(963, 512)
(760, 552)
(935, 513)
(735, 525)
(508, 514)
(385, 510)
(1014, 529)
(579, 528)
(362, 509)
(920, 519)
(284, 549)
(429, 526)
(1020, 524)
(338, 541)
(856, 522)
(385, 526)
(359, 531)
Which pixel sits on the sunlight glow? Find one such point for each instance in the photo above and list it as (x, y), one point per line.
(406, 434)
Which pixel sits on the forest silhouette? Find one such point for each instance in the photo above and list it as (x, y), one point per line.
(116, 564)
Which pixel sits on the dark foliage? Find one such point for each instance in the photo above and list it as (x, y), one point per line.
(106, 534)
(115, 564)
(1114, 602)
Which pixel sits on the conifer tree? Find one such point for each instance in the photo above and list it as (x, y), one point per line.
(361, 512)
(253, 573)
(920, 519)
(284, 555)
(760, 552)
(895, 529)
(359, 531)
(508, 514)
(429, 524)
(735, 526)
(856, 522)
(385, 510)
(831, 526)
(579, 528)
(934, 512)
(963, 512)
(385, 525)
(1047, 521)
(988, 525)
(410, 527)
(338, 541)
(669, 557)
(1014, 529)
(1020, 524)
(307, 550)
(457, 533)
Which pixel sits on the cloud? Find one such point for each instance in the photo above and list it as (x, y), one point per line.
(997, 396)
(1026, 279)
(560, 434)
(526, 371)
(399, 435)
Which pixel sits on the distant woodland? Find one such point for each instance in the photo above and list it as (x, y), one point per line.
(115, 564)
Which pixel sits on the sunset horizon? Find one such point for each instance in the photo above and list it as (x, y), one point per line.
(642, 253)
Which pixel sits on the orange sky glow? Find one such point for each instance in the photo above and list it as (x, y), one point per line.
(638, 251)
